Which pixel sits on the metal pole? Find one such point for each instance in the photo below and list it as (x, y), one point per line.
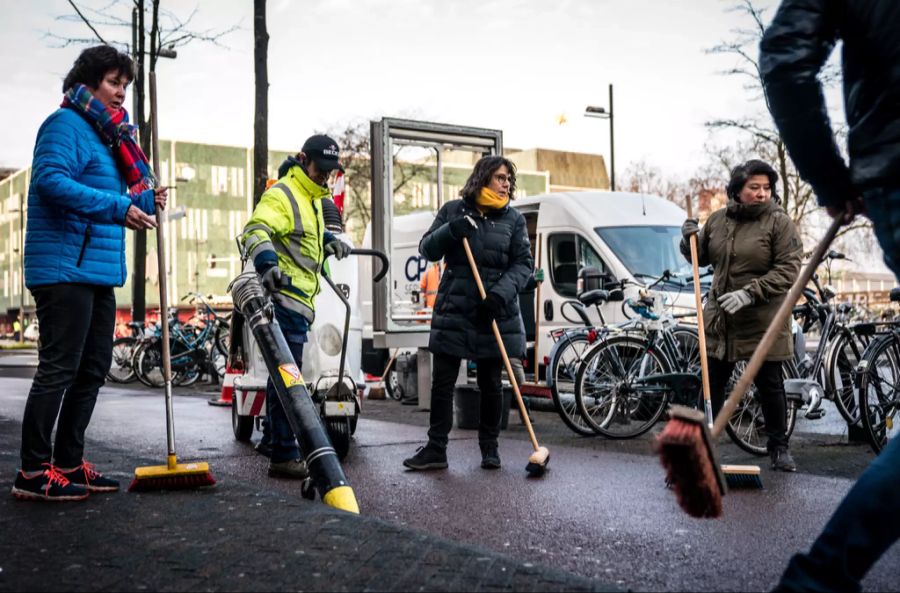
(612, 144)
(21, 268)
(139, 265)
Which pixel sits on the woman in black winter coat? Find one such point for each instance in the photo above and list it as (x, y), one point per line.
(461, 320)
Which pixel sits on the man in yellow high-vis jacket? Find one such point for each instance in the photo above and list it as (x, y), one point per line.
(286, 237)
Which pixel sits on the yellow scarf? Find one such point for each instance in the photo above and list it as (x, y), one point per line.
(489, 199)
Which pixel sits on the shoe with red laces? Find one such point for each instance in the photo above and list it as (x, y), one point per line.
(49, 485)
(85, 475)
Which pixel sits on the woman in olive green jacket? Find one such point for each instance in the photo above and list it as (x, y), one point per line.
(755, 252)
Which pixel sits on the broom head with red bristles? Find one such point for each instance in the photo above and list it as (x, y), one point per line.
(686, 451)
(172, 476)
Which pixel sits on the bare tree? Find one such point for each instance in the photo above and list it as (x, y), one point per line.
(760, 135)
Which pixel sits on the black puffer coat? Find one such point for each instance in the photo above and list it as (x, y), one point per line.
(793, 50)
(503, 254)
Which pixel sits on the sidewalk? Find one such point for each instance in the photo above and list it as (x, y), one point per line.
(236, 537)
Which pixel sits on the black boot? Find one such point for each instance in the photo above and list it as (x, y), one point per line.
(782, 459)
(427, 457)
(490, 456)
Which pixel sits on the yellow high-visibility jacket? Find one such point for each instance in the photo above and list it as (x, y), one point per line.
(287, 228)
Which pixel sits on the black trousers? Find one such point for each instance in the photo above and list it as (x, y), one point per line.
(77, 322)
(770, 385)
(444, 371)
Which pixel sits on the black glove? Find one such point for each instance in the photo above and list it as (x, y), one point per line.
(463, 226)
(490, 308)
(690, 227)
(337, 248)
(271, 279)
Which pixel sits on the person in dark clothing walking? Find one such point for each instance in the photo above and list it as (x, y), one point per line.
(794, 49)
(461, 320)
(755, 250)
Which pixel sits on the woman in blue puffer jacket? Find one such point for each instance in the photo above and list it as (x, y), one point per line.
(89, 180)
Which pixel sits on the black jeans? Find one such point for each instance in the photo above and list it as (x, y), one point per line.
(445, 370)
(77, 322)
(770, 384)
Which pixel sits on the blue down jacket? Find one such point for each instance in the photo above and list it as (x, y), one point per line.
(77, 202)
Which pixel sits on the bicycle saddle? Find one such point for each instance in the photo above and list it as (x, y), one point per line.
(594, 297)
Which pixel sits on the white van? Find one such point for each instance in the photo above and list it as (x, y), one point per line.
(627, 236)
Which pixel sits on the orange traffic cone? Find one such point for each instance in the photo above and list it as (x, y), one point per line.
(227, 389)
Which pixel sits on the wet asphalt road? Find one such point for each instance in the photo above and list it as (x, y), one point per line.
(601, 511)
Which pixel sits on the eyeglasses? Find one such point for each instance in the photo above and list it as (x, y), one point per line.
(505, 178)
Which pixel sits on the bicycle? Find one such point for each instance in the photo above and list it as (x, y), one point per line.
(627, 379)
(121, 369)
(878, 379)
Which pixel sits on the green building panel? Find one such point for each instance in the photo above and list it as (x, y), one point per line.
(209, 203)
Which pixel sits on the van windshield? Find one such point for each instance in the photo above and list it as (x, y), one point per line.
(648, 251)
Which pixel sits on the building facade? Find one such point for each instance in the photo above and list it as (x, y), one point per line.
(209, 203)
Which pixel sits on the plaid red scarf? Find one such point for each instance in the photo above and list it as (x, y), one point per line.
(114, 129)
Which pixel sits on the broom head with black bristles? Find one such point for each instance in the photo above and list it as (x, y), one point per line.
(686, 451)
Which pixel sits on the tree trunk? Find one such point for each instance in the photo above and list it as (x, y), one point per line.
(261, 115)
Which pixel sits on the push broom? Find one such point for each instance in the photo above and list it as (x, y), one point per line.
(736, 476)
(537, 462)
(173, 475)
(685, 445)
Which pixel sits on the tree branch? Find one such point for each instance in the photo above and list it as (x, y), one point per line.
(87, 22)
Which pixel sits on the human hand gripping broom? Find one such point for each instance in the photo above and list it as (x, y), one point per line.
(173, 475)
(685, 445)
(537, 462)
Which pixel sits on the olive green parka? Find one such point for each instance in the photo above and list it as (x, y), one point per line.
(755, 247)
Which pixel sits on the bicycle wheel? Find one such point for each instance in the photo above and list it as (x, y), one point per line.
(223, 337)
(747, 427)
(566, 357)
(148, 363)
(608, 391)
(120, 370)
(878, 384)
(689, 344)
(840, 380)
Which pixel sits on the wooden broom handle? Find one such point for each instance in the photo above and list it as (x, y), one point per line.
(768, 339)
(537, 314)
(503, 355)
(701, 330)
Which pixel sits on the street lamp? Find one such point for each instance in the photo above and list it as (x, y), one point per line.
(602, 113)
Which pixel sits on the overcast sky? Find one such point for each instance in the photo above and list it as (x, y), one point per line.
(516, 65)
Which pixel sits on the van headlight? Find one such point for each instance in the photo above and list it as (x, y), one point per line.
(329, 339)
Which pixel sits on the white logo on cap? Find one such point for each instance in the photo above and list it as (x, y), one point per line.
(331, 151)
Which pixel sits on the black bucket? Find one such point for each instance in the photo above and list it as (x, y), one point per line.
(467, 402)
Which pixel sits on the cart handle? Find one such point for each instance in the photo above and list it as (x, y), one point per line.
(385, 264)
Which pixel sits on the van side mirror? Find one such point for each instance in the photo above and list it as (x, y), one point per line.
(616, 295)
(590, 278)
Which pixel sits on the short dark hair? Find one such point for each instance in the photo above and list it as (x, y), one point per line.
(482, 173)
(94, 63)
(743, 172)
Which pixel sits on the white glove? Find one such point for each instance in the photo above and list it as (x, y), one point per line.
(732, 302)
(338, 249)
(271, 279)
